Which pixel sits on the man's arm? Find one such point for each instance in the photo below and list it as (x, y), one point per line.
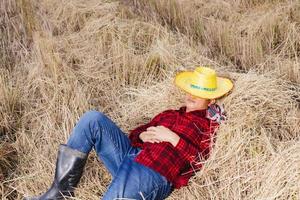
(164, 134)
(134, 135)
(199, 147)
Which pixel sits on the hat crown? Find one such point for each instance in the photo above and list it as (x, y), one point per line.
(205, 77)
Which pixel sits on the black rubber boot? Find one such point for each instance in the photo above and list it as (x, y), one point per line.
(69, 168)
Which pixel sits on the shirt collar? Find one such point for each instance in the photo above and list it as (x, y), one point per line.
(199, 113)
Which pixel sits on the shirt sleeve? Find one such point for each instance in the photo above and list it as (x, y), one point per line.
(200, 148)
(135, 133)
(186, 149)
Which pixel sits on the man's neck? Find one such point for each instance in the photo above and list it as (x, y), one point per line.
(199, 108)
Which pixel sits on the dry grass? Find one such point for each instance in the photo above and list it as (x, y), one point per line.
(120, 58)
(242, 34)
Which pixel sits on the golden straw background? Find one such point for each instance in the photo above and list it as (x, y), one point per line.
(61, 58)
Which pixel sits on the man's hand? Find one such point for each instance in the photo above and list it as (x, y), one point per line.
(147, 137)
(159, 134)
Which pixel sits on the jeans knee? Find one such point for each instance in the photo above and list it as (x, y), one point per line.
(92, 115)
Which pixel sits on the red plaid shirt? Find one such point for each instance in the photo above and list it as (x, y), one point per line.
(178, 163)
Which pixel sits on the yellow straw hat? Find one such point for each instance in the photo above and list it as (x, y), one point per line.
(203, 82)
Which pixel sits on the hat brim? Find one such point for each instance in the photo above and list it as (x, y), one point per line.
(184, 79)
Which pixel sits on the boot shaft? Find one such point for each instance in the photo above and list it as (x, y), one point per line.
(69, 168)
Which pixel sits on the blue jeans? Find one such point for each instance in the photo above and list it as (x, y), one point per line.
(131, 180)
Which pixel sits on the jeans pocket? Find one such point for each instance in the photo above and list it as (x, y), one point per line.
(133, 152)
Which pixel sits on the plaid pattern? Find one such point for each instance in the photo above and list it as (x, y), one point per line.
(178, 163)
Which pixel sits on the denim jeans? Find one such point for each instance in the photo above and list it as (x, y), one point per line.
(131, 180)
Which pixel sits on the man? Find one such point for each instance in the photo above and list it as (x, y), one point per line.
(158, 156)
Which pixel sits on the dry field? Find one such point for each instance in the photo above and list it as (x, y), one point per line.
(60, 58)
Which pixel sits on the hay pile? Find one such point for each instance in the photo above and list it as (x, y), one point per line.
(66, 57)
